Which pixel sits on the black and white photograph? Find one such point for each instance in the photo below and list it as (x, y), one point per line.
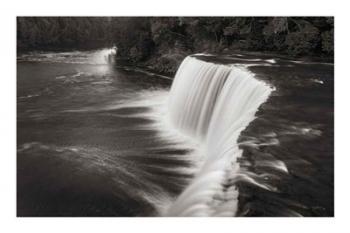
(175, 116)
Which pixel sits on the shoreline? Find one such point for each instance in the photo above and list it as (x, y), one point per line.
(167, 64)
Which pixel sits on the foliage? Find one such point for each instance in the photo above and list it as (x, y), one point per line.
(146, 38)
(62, 32)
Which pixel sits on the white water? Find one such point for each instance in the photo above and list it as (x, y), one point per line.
(212, 104)
(96, 57)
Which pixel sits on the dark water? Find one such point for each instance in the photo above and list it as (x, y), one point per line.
(82, 150)
(301, 114)
(294, 129)
(85, 147)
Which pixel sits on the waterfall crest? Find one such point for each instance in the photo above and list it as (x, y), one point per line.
(213, 103)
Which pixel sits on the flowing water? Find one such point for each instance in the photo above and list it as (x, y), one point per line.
(102, 140)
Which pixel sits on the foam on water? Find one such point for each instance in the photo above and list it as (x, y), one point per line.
(213, 104)
(96, 57)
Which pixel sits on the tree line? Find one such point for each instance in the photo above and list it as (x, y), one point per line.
(140, 38)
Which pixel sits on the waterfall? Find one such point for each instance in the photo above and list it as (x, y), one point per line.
(213, 103)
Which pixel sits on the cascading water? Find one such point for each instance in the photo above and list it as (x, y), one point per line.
(108, 127)
(213, 104)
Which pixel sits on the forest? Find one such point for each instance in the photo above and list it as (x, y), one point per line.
(165, 41)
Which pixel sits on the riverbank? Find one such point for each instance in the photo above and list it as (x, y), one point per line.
(168, 64)
(161, 43)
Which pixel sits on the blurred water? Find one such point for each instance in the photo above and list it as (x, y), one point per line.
(87, 143)
(92, 140)
(290, 146)
(214, 103)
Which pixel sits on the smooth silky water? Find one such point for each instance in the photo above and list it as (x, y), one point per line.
(226, 140)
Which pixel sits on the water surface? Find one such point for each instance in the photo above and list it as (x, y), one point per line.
(91, 140)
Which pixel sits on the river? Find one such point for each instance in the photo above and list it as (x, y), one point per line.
(92, 139)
